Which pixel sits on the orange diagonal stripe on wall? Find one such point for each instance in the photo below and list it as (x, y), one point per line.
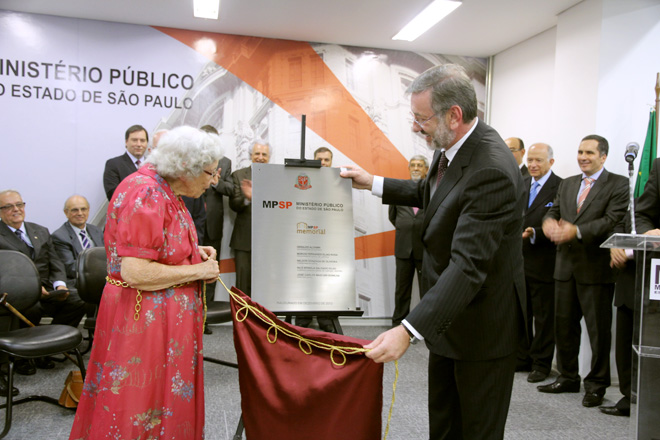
(374, 245)
(293, 76)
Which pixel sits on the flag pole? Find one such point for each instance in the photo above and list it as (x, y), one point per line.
(657, 105)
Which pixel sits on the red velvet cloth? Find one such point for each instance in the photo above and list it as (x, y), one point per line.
(287, 394)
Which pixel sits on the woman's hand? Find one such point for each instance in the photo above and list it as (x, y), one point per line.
(208, 252)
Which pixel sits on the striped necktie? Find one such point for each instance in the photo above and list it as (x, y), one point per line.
(588, 183)
(85, 240)
(443, 163)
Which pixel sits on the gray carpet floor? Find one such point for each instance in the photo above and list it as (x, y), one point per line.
(532, 415)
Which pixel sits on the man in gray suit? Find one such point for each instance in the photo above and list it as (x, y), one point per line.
(473, 288)
(241, 203)
(408, 249)
(583, 215)
(75, 234)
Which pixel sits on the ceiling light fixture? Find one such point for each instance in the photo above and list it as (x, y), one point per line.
(206, 9)
(426, 19)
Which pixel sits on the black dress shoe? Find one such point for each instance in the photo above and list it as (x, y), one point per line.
(4, 386)
(536, 376)
(44, 363)
(560, 387)
(614, 411)
(25, 367)
(592, 399)
(207, 330)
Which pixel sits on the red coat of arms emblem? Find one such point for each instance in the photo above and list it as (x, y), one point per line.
(303, 182)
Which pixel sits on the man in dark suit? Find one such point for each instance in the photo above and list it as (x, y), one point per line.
(120, 167)
(408, 249)
(75, 234)
(624, 301)
(539, 256)
(583, 215)
(473, 287)
(214, 203)
(517, 148)
(34, 241)
(241, 203)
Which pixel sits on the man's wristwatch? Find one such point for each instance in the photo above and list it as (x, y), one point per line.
(413, 338)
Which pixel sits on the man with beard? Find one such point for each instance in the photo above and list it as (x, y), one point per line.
(473, 288)
(408, 249)
(241, 203)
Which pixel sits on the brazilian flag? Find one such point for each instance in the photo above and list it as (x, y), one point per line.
(648, 155)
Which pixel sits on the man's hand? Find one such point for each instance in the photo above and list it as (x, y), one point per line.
(559, 231)
(618, 258)
(55, 297)
(652, 232)
(361, 179)
(389, 346)
(528, 233)
(246, 189)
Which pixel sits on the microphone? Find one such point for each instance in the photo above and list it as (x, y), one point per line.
(631, 151)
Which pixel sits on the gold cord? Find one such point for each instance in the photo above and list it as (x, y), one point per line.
(138, 296)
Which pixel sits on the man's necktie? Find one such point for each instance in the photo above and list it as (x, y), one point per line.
(137, 163)
(443, 163)
(19, 234)
(85, 240)
(588, 183)
(532, 193)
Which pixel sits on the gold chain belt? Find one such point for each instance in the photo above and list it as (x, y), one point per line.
(138, 296)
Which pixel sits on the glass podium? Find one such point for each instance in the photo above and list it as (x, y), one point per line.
(645, 395)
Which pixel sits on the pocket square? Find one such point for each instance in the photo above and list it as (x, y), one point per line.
(549, 205)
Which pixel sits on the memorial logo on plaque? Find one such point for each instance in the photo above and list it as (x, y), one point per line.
(303, 182)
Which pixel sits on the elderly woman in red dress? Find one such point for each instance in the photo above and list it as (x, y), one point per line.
(145, 377)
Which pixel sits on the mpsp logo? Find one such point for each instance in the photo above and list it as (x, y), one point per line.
(277, 204)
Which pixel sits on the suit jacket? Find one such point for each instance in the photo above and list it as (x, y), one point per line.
(624, 289)
(68, 247)
(198, 213)
(117, 169)
(241, 236)
(524, 171)
(473, 285)
(603, 208)
(540, 256)
(408, 236)
(46, 259)
(213, 196)
(647, 206)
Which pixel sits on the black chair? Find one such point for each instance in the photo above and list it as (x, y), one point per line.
(19, 278)
(92, 270)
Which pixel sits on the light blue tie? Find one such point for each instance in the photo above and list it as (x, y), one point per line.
(532, 193)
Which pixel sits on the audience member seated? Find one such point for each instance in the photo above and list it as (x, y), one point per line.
(33, 240)
(76, 234)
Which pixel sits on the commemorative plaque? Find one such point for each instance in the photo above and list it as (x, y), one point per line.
(303, 251)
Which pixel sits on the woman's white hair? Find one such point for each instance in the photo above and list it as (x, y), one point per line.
(185, 151)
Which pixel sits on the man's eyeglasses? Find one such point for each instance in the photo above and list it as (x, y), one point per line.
(421, 123)
(10, 207)
(212, 174)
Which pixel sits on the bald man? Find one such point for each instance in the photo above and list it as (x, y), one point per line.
(75, 234)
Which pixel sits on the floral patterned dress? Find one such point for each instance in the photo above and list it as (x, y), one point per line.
(145, 377)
